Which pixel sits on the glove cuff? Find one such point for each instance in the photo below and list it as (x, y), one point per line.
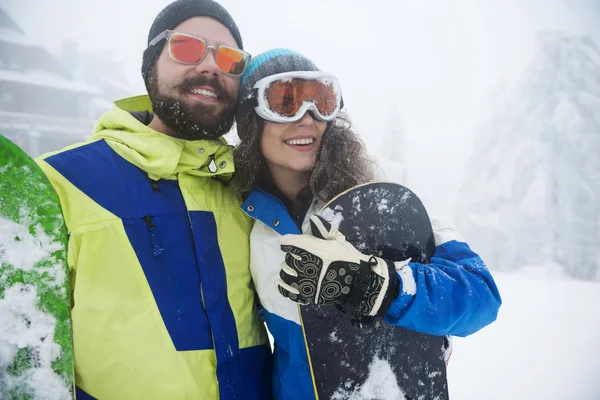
(393, 289)
(385, 275)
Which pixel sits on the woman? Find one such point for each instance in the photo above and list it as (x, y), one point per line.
(297, 151)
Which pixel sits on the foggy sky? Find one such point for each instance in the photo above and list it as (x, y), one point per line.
(446, 57)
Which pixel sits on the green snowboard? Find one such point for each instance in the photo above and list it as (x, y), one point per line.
(36, 350)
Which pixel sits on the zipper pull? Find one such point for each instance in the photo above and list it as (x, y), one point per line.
(212, 166)
(157, 248)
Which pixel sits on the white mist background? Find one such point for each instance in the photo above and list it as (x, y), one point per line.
(443, 59)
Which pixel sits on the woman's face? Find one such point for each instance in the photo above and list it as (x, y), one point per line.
(292, 146)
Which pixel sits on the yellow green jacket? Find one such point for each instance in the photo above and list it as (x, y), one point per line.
(163, 303)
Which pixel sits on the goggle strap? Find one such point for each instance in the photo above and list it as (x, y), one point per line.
(249, 104)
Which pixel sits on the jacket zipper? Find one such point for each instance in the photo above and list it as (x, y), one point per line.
(158, 250)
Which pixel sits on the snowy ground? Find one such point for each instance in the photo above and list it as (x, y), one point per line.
(544, 345)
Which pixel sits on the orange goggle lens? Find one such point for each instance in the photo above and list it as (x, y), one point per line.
(191, 50)
(286, 97)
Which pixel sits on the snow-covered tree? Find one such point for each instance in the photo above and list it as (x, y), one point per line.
(532, 193)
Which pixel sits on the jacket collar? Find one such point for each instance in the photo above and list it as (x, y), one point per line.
(271, 211)
(161, 156)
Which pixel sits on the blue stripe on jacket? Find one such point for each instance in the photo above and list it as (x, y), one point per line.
(292, 378)
(175, 266)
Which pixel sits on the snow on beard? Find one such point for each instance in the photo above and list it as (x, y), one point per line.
(197, 122)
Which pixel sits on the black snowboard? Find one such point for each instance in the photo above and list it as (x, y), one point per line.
(376, 360)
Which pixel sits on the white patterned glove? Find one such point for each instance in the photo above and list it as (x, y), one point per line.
(326, 269)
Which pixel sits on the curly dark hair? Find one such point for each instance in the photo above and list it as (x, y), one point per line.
(342, 161)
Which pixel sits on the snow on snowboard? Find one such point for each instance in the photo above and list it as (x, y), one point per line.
(36, 351)
(376, 360)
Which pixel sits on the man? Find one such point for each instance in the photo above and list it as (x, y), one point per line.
(163, 304)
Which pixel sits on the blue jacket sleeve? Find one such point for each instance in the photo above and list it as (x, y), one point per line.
(454, 294)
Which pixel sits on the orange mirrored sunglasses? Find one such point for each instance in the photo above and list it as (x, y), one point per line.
(192, 50)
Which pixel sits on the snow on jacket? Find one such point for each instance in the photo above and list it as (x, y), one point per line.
(453, 295)
(163, 303)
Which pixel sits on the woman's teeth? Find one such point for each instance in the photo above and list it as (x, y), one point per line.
(299, 142)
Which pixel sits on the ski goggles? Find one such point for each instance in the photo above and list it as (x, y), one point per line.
(191, 50)
(286, 97)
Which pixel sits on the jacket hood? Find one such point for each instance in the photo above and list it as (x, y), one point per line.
(160, 155)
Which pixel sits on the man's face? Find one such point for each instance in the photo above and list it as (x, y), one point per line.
(195, 101)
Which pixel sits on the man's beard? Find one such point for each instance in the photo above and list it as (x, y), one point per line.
(192, 122)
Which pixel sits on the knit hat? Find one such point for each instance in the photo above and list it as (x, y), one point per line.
(269, 63)
(177, 12)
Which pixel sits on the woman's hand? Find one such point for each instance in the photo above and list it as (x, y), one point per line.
(326, 269)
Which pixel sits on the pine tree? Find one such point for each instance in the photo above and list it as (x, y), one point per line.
(533, 185)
